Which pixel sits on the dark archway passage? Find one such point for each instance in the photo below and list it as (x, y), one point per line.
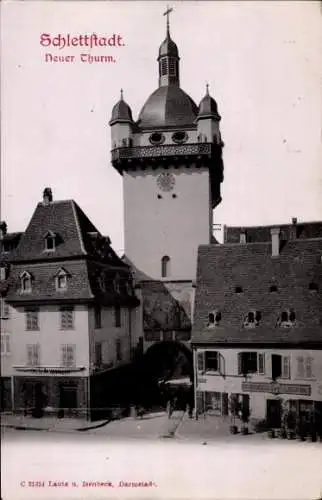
(162, 362)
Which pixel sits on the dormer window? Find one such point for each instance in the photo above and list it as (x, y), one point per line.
(50, 241)
(287, 318)
(61, 279)
(313, 287)
(238, 289)
(273, 288)
(252, 319)
(214, 319)
(25, 279)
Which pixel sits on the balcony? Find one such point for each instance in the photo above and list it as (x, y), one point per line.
(124, 156)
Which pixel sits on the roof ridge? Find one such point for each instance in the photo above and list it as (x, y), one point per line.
(73, 204)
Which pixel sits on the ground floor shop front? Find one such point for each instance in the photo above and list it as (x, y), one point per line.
(275, 411)
(58, 395)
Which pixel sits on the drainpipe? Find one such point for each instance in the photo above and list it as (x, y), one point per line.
(195, 380)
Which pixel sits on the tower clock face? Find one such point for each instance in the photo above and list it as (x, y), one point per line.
(166, 181)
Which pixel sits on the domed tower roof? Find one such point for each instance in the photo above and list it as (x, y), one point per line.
(168, 106)
(208, 107)
(121, 112)
(168, 47)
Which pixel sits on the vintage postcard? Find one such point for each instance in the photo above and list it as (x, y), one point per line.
(161, 250)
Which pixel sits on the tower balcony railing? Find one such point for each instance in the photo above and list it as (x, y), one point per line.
(204, 149)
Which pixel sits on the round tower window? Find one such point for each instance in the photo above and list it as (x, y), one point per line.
(156, 138)
(179, 137)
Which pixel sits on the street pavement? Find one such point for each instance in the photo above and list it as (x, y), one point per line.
(53, 465)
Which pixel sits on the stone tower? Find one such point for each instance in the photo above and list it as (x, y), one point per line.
(171, 163)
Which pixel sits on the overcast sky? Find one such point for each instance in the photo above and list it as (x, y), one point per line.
(261, 59)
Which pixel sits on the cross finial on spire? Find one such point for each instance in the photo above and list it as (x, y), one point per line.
(121, 94)
(166, 13)
(207, 88)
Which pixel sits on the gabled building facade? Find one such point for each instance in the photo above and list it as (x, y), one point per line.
(71, 299)
(257, 336)
(8, 243)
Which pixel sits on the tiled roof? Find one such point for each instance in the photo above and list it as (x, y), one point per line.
(256, 234)
(161, 311)
(74, 231)
(86, 280)
(7, 244)
(94, 270)
(44, 282)
(222, 268)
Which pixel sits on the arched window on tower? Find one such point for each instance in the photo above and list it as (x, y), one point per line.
(164, 66)
(165, 266)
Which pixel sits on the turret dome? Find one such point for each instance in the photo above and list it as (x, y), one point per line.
(121, 112)
(168, 48)
(208, 107)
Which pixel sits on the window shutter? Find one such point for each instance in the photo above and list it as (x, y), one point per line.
(308, 367)
(36, 354)
(64, 355)
(240, 367)
(221, 364)
(7, 338)
(286, 367)
(300, 366)
(261, 363)
(201, 361)
(29, 354)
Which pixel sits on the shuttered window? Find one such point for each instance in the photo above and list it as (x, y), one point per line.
(201, 361)
(32, 319)
(33, 355)
(5, 343)
(261, 364)
(300, 366)
(68, 357)
(286, 367)
(66, 318)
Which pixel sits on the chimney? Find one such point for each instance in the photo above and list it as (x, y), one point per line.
(293, 229)
(47, 196)
(3, 229)
(275, 235)
(243, 237)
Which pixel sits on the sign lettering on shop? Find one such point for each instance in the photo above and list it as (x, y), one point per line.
(275, 388)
